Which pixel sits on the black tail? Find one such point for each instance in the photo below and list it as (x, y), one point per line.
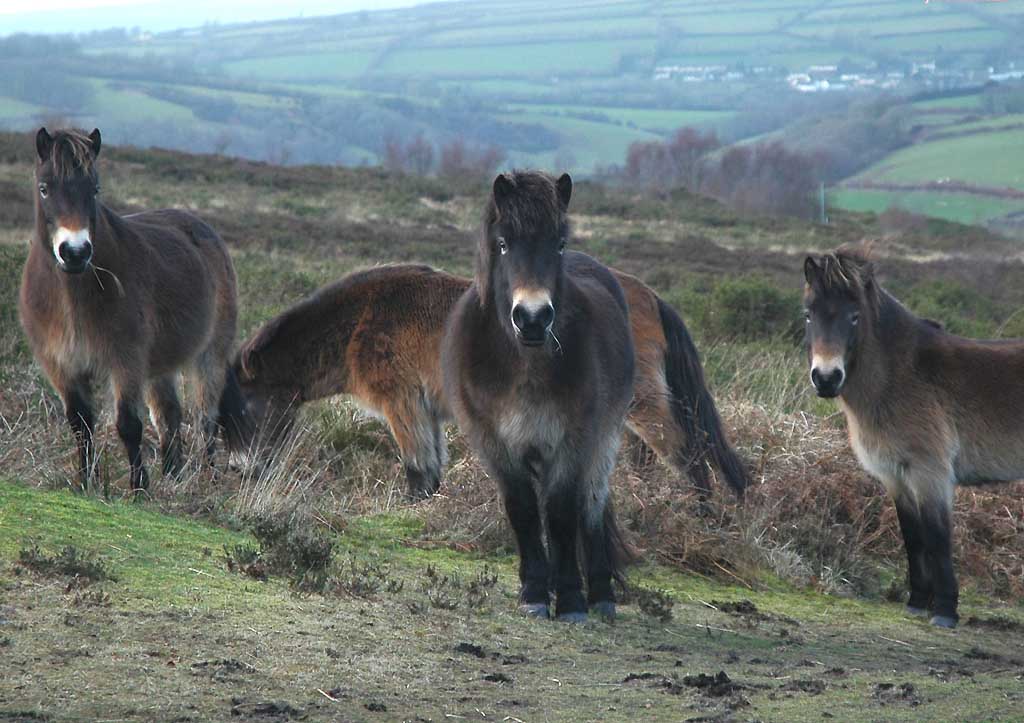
(233, 415)
(694, 410)
(620, 553)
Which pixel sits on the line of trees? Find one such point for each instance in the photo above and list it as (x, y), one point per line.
(456, 158)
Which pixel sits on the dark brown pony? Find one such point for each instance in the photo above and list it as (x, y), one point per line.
(926, 410)
(133, 299)
(376, 335)
(538, 367)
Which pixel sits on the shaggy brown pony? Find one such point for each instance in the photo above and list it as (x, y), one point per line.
(376, 335)
(538, 367)
(926, 410)
(132, 299)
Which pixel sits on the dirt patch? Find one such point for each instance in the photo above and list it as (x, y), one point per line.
(273, 710)
(716, 686)
(891, 694)
(811, 686)
(222, 670)
(996, 622)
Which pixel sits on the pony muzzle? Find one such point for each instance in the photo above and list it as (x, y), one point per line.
(828, 376)
(533, 315)
(73, 249)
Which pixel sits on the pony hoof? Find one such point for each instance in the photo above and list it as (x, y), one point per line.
(534, 610)
(943, 621)
(916, 611)
(605, 610)
(577, 617)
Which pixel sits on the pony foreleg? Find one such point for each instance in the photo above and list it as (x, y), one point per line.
(524, 516)
(918, 573)
(78, 409)
(938, 542)
(563, 515)
(129, 428)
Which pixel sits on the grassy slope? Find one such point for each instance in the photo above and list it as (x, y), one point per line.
(293, 229)
(180, 636)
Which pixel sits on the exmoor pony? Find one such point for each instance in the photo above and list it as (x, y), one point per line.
(376, 335)
(131, 299)
(926, 410)
(538, 367)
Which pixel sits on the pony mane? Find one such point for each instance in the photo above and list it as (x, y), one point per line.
(850, 270)
(532, 204)
(71, 151)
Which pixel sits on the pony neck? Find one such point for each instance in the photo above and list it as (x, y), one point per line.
(885, 349)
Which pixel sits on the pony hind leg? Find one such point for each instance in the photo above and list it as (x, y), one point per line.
(209, 376)
(417, 432)
(165, 411)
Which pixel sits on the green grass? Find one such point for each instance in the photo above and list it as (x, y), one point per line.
(986, 159)
(322, 66)
(653, 120)
(589, 142)
(527, 59)
(961, 207)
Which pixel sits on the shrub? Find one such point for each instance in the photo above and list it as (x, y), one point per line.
(750, 307)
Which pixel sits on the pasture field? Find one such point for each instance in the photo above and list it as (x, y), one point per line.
(527, 52)
(784, 609)
(974, 155)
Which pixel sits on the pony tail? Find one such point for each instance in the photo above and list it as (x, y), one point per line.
(620, 553)
(233, 416)
(694, 409)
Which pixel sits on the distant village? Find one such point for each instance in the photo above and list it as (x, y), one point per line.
(835, 78)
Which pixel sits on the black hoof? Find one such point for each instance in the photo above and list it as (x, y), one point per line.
(577, 617)
(605, 610)
(943, 621)
(535, 610)
(916, 612)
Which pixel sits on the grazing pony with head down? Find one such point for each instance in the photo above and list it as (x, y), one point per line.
(376, 335)
(130, 299)
(926, 410)
(538, 368)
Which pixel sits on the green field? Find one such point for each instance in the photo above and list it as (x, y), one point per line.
(961, 207)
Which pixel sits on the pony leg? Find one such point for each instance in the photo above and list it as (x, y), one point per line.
(524, 516)
(601, 566)
(917, 564)
(165, 410)
(77, 398)
(563, 514)
(652, 420)
(416, 432)
(938, 543)
(129, 428)
(210, 375)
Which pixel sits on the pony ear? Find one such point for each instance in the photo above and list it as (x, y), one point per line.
(811, 269)
(564, 187)
(503, 187)
(94, 137)
(44, 144)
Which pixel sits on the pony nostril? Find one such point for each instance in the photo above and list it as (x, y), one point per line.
(546, 316)
(519, 317)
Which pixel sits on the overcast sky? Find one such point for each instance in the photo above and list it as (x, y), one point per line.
(70, 16)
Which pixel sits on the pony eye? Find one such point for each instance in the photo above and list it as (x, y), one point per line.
(854, 318)
(44, 190)
(561, 246)
(97, 189)
(807, 316)
(502, 246)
